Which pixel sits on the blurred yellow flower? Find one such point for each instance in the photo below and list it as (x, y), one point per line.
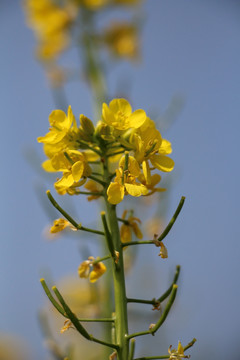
(51, 24)
(98, 269)
(122, 40)
(93, 187)
(127, 228)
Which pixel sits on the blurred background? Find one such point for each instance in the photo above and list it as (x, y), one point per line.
(188, 77)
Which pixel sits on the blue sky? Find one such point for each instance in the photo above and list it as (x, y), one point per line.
(190, 49)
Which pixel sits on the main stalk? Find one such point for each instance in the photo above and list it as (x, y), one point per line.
(121, 323)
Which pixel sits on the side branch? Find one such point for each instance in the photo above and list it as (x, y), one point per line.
(154, 328)
(156, 302)
(69, 218)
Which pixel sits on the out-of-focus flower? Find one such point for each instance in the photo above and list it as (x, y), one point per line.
(93, 187)
(177, 354)
(122, 40)
(51, 24)
(98, 269)
(127, 228)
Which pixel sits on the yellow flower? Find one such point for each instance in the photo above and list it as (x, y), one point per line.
(177, 354)
(119, 115)
(122, 40)
(127, 228)
(74, 168)
(125, 182)
(150, 146)
(98, 269)
(62, 129)
(60, 225)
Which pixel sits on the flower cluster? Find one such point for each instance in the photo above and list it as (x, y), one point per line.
(78, 150)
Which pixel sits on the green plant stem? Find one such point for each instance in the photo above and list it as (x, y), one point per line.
(97, 320)
(161, 320)
(169, 290)
(144, 242)
(69, 218)
(132, 349)
(121, 322)
(172, 221)
(97, 180)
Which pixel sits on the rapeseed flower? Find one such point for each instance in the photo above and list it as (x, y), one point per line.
(125, 182)
(119, 115)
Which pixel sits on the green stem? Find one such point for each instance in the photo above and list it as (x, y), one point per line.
(161, 319)
(97, 320)
(168, 291)
(144, 242)
(172, 221)
(121, 322)
(103, 183)
(132, 349)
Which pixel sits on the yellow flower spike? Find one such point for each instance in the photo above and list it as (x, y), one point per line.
(98, 270)
(119, 115)
(163, 251)
(177, 354)
(59, 225)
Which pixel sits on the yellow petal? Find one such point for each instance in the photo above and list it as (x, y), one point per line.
(77, 170)
(137, 230)
(165, 148)
(98, 270)
(115, 193)
(136, 189)
(137, 118)
(146, 172)
(121, 105)
(47, 166)
(161, 162)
